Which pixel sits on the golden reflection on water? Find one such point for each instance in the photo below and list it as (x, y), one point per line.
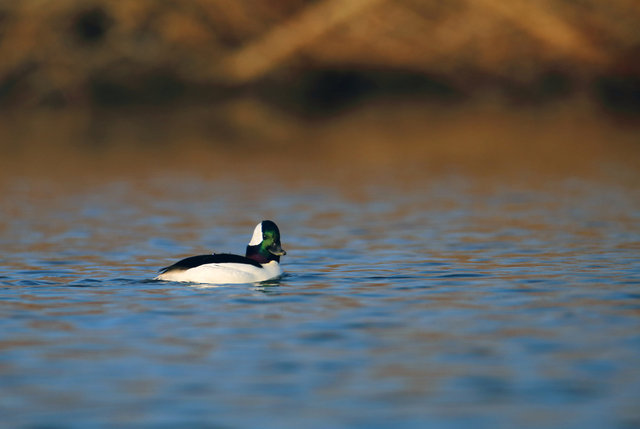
(405, 143)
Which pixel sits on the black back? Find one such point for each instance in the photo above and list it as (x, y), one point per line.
(220, 258)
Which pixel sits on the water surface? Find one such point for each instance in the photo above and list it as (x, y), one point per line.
(441, 304)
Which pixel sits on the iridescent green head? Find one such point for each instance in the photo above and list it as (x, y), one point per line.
(265, 243)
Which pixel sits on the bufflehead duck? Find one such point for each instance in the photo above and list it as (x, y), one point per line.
(260, 263)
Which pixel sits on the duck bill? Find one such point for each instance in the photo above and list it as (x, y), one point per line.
(275, 249)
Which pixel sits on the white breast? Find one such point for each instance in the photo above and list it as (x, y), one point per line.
(226, 273)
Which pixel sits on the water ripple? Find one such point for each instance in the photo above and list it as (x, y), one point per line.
(440, 308)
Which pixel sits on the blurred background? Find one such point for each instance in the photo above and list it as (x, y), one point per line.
(481, 86)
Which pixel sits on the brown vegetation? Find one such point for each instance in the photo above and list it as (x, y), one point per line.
(78, 52)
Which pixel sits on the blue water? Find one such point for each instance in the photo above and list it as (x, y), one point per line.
(446, 304)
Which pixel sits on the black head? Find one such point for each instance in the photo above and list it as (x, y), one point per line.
(265, 243)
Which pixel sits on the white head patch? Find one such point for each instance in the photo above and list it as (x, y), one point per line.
(257, 235)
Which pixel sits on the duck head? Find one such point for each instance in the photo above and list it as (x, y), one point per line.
(265, 243)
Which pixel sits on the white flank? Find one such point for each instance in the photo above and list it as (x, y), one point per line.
(226, 273)
(257, 235)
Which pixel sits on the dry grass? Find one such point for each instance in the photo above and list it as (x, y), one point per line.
(72, 51)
